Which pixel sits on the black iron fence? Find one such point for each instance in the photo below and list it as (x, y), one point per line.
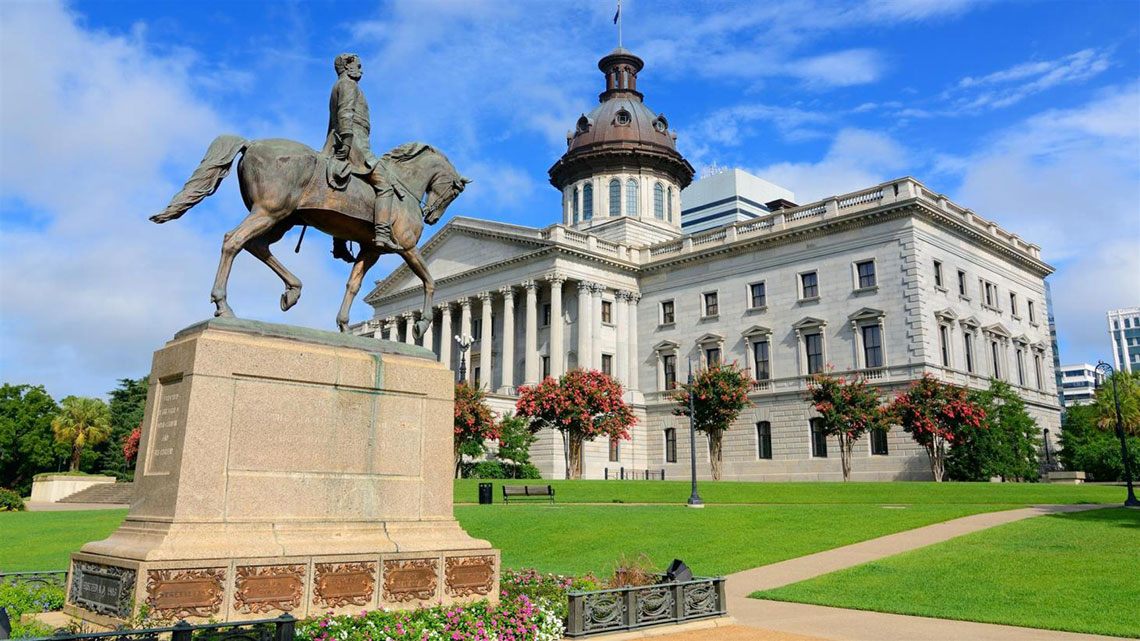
(54, 578)
(283, 628)
(622, 474)
(601, 611)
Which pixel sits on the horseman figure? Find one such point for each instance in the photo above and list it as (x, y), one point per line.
(347, 144)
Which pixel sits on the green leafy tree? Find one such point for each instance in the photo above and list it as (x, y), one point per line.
(848, 410)
(27, 444)
(935, 414)
(128, 401)
(474, 423)
(1128, 391)
(1085, 446)
(515, 438)
(1004, 445)
(81, 423)
(720, 393)
(583, 405)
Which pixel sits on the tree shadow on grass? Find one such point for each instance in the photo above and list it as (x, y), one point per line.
(1119, 516)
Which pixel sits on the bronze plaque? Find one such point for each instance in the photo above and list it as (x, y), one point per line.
(269, 587)
(103, 589)
(182, 593)
(467, 575)
(336, 585)
(410, 579)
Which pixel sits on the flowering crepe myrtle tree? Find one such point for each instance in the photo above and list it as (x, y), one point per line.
(720, 394)
(583, 405)
(847, 410)
(474, 422)
(131, 445)
(934, 413)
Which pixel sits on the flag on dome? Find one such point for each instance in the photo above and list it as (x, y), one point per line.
(618, 14)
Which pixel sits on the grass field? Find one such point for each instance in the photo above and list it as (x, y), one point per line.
(676, 492)
(45, 540)
(1078, 572)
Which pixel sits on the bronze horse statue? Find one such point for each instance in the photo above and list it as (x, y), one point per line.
(284, 184)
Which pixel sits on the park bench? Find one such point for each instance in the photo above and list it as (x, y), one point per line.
(527, 491)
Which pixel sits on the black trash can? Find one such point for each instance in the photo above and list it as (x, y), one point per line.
(486, 493)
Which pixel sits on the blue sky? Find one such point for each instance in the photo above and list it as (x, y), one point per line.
(1026, 112)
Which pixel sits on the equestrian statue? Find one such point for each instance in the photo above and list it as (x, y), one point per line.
(344, 190)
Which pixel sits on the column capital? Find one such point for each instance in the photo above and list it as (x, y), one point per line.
(507, 292)
(443, 307)
(465, 302)
(634, 298)
(390, 319)
(597, 288)
(622, 294)
(408, 315)
(485, 296)
(529, 284)
(555, 279)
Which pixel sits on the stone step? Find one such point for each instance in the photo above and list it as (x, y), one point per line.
(103, 493)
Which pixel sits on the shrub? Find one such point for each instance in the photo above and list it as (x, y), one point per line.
(1003, 445)
(10, 501)
(488, 470)
(527, 471)
(24, 599)
(1095, 451)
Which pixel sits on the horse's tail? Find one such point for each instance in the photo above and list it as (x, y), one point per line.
(206, 178)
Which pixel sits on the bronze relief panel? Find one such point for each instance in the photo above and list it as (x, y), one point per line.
(261, 588)
(411, 579)
(177, 594)
(467, 575)
(336, 585)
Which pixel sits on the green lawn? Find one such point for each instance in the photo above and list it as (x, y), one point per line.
(45, 540)
(1078, 572)
(676, 492)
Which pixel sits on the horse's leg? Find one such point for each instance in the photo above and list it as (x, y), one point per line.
(415, 262)
(255, 224)
(260, 247)
(365, 259)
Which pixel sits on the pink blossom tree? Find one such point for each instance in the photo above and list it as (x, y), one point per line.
(934, 413)
(848, 409)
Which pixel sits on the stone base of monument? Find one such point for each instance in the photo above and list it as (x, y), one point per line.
(287, 470)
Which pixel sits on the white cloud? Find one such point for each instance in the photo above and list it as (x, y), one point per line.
(1010, 86)
(840, 68)
(857, 159)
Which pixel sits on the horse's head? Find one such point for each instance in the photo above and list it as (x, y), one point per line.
(444, 188)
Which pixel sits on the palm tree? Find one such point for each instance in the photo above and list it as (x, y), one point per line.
(81, 422)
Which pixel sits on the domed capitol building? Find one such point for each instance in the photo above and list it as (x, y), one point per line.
(649, 271)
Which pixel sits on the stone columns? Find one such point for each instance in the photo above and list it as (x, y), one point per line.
(585, 314)
(857, 342)
(801, 353)
(393, 330)
(621, 357)
(596, 325)
(557, 349)
(486, 341)
(429, 336)
(445, 338)
(507, 385)
(409, 327)
(530, 345)
(465, 331)
(632, 357)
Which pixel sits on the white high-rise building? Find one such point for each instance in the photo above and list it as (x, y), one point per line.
(1078, 384)
(1124, 331)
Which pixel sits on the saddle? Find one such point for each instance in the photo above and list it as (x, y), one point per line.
(339, 186)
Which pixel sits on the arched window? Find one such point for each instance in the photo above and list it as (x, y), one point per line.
(615, 197)
(669, 211)
(631, 197)
(574, 206)
(658, 201)
(587, 201)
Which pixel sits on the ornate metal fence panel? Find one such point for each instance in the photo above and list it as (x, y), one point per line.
(631, 608)
(34, 579)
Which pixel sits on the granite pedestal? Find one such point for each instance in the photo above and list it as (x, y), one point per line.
(287, 470)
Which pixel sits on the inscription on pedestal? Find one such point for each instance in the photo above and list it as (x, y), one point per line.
(269, 587)
(467, 575)
(183, 593)
(411, 579)
(336, 585)
(168, 418)
(102, 589)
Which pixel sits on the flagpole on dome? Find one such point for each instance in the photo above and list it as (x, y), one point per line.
(617, 21)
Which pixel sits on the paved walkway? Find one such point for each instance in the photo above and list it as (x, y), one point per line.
(39, 506)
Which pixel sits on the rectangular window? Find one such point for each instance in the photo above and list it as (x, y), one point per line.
(879, 442)
(961, 283)
(996, 361)
(1013, 304)
(968, 339)
(476, 374)
(711, 306)
(989, 293)
(1021, 367)
(545, 314)
(763, 364)
(667, 314)
(866, 273)
(669, 364)
(712, 356)
(615, 450)
(545, 366)
(758, 295)
(764, 440)
(607, 311)
(944, 344)
(477, 329)
(818, 439)
(809, 285)
(813, 345)
(938, 274)
(607, 364)
(872, 346)
(1032, 312)
(671, 445)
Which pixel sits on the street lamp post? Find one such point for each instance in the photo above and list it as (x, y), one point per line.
(694, 498)
(464, 344)
(1131, 501)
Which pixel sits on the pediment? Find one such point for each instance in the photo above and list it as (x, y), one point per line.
(1023, 339)
(666, 346)
(756, 330)
(710, 338)
(946, 314)
(809, 322)
(970, 321)
(867, 313)
(997, 329)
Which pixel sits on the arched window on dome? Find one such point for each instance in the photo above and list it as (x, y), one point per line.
(615, 197)
(631, 197)
(659, 201)
(574, 207)
(670, 203)
(587, 201)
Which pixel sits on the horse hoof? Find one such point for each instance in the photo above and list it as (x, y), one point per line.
(420, 328)
(289, 298)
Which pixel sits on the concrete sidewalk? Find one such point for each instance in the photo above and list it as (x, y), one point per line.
(38, 506)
